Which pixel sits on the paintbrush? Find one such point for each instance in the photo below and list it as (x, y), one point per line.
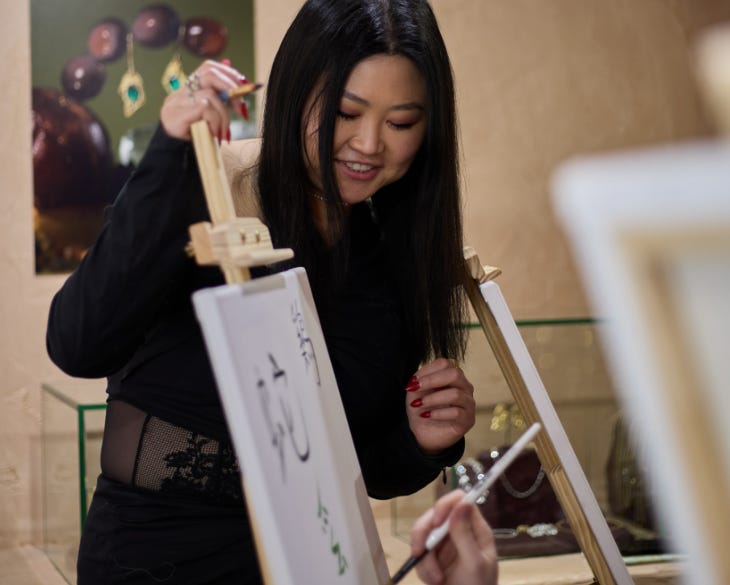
(438, 534)
(240, 91)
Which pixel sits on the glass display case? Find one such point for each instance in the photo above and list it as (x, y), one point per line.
(72, 425)
(521, 507)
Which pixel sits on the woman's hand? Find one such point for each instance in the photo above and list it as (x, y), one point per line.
(440, 405)
(200, 100)
(468, 556)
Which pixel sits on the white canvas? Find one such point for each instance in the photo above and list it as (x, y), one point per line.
(301, 475)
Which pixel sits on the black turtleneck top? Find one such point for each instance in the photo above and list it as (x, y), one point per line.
(126, 314)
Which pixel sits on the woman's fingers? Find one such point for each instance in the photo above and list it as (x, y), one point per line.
(434, 366)
(474, 555)
(467, 555)
(214, 113)
(218, 77)
(438, 374)
(440, 405)
(201, 99)
(428, 569)
(441, 389)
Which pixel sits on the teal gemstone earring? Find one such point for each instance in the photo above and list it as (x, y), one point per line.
(131, 88)
(174, 77)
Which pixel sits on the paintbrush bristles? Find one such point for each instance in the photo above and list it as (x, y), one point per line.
(242, 90)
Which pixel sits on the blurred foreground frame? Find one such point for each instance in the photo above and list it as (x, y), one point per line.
(650, 230)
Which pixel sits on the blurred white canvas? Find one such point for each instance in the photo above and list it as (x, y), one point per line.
(650, 232)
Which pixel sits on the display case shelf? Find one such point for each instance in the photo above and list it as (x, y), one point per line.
(73, 421)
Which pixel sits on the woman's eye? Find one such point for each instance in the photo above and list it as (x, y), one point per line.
(403, 126)
(346, 116)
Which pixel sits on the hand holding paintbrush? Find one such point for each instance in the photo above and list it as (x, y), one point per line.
(470, 557)
(210, 93)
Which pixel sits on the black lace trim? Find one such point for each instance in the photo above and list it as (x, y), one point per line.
(172, 459)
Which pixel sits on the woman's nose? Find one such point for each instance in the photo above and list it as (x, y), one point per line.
(368, 139)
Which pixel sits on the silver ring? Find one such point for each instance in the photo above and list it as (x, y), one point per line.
(192, 84)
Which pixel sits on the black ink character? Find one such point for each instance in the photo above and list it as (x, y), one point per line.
(305, 343)
(302, 453)
(276, 372)
(276, 430)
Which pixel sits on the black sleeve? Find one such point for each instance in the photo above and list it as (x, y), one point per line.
(100, 315)
(394, 464)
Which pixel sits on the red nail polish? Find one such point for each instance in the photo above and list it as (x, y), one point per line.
(244, 110)
(426, 414)
(228, 135)
(413, 385)
(416, 403)
(226, 62)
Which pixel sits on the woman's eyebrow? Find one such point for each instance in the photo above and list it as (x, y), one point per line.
(407, 106)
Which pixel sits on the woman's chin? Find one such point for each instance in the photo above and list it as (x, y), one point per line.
(353, 198)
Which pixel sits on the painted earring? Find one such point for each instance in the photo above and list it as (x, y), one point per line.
(174, 77)
(131, 88)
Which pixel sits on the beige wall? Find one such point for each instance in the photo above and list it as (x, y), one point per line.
(540, 81)
(537, 81)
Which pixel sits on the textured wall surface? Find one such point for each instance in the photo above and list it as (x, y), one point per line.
(23, 297)
(537, 82)
(540, 81)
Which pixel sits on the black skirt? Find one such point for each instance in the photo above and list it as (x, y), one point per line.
(135, 536)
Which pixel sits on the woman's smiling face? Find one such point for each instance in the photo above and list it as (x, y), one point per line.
(380, 127)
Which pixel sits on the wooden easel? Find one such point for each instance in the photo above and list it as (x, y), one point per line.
(553, 447)
(233, 243)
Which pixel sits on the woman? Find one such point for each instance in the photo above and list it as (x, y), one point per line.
(357, 173)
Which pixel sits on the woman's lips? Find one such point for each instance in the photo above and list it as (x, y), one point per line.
(358, 171)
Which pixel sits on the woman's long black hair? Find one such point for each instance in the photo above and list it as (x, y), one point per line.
(420, 213)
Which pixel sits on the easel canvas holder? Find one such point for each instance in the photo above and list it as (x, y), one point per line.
(233, 243)
(553, 447)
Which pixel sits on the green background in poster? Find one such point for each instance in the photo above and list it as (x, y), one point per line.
(60, 30)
